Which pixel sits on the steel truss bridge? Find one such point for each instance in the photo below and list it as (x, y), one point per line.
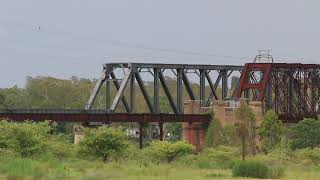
(291, 90)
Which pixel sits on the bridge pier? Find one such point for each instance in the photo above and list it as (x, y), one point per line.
(78, 131)
(193, 132)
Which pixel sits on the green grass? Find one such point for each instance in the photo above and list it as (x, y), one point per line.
(50, 168)
(211, 164)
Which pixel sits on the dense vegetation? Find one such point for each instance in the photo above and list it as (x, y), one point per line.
(37, 150)
(45, 150)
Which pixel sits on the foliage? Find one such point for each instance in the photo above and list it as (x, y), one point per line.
(254, 169)
(220, 157)
(270, 131)
(230, 136)
(246, 126)
(305, 134)
(25, 138)
(174, 128)
(24, 168)
(282, 154)
(311, 154)
(59, 146)
(103, 142)
(169, 151)
(214, 134)
(217, 135)
(234, 82)
(276, 172)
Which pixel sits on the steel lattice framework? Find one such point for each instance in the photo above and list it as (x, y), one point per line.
(291, 90)
(132, 74)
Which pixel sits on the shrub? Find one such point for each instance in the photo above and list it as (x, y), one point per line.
(305, 134)
(169, 151)
(222, 157)
(59, 146)
(254, 169)
(103, 142)
(282, 154)
(276, 172)
(270, 131)
(217, 135)
(214, 134)
(311, 154)
(25, 138)
(230, 137)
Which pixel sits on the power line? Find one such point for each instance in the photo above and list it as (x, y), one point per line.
(71, 35)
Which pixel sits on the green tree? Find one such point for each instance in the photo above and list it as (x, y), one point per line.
(305, 134)
(25, 138)
(270, 131)
(169, 151)
(234, 82)
(103, 142)
(245, 127)
(214, 134)
(230, 136)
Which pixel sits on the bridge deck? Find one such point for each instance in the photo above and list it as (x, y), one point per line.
(81, 115)
(175, 66)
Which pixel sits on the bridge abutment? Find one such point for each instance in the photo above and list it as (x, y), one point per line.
(194, 132)
(224, 112)
(78, 133)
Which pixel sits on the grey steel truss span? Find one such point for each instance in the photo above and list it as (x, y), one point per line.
(132, 76)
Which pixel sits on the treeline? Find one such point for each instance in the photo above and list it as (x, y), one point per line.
(50, 92)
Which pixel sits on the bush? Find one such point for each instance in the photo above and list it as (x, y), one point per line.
(214, 134)
(25, 168)
(221, 157)
(311, 154)
(169, 151)
(276, 172)
(281, 155)
(25, 138)
(59, 146)
(270, 131)
(305, 134)
(254, 169)
(103, 142)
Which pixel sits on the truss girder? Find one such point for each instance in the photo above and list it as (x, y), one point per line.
(291, 90)
(133, 74)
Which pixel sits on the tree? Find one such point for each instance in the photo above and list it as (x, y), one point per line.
(270, 131)
(25, 138)
(214, 134)
(305, 134)
(246, 126)
(103, 142)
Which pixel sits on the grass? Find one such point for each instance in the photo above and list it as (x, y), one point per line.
(50, 168)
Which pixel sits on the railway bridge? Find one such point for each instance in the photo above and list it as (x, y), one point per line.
(291, 90)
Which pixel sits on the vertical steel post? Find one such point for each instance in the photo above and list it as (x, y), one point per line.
(140, 135)
(108, 91)
(224, 83)
(274, 80)
(156, 99)
(290, 93)
(313, 91)
(132, 92)
(179, 91)
(161, 131)
(268, 97)
(202, 87)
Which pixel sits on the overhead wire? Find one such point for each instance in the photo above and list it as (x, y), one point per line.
(73, 36)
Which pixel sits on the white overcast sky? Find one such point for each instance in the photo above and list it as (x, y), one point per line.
(62, 38)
